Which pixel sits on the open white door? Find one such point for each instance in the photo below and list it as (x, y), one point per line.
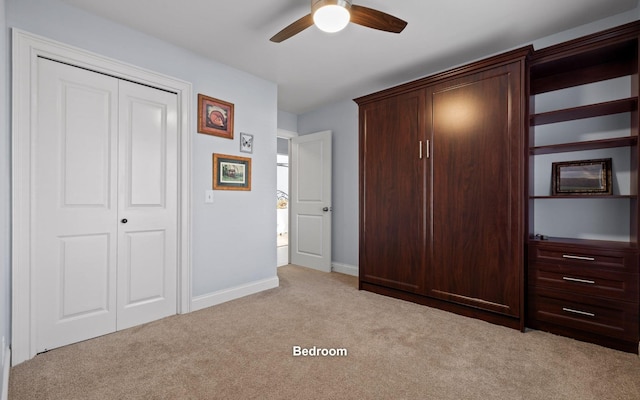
(310, 201)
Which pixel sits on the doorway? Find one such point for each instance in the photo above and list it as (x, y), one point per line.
(282, 202)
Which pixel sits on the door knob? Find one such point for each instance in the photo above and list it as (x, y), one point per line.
(325, 209)
(124, 220)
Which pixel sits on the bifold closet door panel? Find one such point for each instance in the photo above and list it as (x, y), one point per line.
(148, 202)
(76, 205)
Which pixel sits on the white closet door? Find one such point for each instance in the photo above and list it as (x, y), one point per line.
(75, 212)
(105, 151)
(147, 241)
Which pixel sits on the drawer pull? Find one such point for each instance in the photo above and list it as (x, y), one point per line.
(571, 310)
(578, 257)
(590, 282)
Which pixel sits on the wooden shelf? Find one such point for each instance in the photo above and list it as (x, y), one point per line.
(586, 145)
(585, 60)
(588, 111)
(585, 242)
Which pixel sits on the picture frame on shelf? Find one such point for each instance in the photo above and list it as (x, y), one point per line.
(215, 117)
(246, 142)
(583, 177)
(231, 172)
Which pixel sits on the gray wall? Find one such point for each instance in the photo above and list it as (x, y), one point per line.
(287, 121)
(221, 232)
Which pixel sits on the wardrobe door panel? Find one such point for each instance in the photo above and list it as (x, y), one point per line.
(476, 131)
(393, 193)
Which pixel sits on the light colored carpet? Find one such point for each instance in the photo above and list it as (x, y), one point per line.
(396, 350)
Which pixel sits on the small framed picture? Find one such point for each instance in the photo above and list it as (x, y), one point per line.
(231, 172)
(246, 143)
(590, 177)
(215, 117)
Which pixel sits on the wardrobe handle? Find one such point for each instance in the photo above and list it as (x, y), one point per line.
(420, 151)
(571, 310)
(566, 278)
(578, 257)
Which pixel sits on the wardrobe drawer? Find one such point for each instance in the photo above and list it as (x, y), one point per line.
(584, 257)
(601, 316)
(587, 281)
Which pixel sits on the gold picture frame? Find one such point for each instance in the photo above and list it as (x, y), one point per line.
(231, 172)
(215, 117)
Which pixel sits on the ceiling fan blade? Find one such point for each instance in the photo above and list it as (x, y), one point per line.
(375, 19)
(293, 29)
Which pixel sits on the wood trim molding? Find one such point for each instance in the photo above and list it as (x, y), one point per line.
(477, 66)
(27, 48)
(6, 367)
(222, 296)
(283, 133)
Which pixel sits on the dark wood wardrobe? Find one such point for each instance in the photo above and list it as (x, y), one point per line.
(442, 190)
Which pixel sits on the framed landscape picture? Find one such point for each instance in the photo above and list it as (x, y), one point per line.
(215, 117)
(590, 177)
(231, 172)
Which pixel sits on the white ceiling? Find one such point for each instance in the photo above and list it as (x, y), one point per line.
(315, 68)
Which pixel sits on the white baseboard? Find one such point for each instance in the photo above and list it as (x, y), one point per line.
(222, 296)
(6, 366)
(344, 269)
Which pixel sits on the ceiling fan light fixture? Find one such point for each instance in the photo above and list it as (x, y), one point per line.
(331, 15)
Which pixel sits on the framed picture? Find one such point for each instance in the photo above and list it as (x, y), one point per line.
(215, 117)
(581, 177)
(231, 172)
(246, 143)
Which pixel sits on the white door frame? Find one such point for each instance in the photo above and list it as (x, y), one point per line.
(27, 48)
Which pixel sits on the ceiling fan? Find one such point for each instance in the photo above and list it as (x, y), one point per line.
(334, 15)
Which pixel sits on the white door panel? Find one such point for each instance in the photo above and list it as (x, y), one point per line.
(311, 201)
(75, 205)
(84, 276)
(309, 228)
(147, 242)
